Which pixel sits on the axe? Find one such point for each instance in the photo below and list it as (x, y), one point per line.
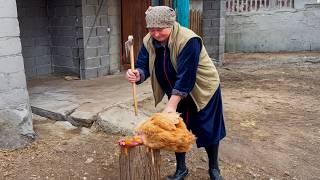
(129, 47)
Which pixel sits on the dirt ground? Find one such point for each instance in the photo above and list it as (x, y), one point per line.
(272, 114)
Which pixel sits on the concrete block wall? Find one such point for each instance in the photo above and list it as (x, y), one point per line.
(35, 38)
(66, 31)
(101, 22)
(274, 30)
(15, 115)
(214, 28)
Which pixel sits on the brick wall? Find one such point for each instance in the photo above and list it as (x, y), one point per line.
(35, 38)
(66, 30)
(101, 21)
(213, 28)
(15, 114)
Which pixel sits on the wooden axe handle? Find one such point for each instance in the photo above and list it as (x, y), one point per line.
(134, 88)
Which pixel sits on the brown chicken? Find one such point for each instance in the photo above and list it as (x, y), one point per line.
(166, 131)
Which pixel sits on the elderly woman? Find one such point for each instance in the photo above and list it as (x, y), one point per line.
(178, 65)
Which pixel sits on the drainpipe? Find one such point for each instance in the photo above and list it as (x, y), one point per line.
(182, 9)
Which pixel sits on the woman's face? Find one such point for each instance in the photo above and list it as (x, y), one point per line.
(160, 34)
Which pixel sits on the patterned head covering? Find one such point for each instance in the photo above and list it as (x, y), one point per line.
(160, 17)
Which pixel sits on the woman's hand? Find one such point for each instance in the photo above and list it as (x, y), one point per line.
(169, 109)
(172, 104)
(133, 75)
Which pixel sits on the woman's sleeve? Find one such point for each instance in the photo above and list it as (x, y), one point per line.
(142, 64)
(187, 64)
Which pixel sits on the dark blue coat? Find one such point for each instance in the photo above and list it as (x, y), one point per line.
(208, 123)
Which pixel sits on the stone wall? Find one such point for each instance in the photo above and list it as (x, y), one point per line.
(35, 37)
(15, 115)
(213, 28)
(66, 30)
(101, 21)
(275, 30)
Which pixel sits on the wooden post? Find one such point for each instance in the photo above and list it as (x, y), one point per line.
(139, 163)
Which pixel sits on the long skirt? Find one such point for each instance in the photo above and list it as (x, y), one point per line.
(207, 124)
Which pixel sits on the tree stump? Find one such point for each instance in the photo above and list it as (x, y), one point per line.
(139, 163)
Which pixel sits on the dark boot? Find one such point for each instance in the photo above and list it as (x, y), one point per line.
(215, 174)
(214, 171)
(181, 169)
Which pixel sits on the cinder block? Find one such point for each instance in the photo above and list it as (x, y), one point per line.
(92, 62)
(91, 73)
(113, 21)
(113, 3)
(102, 31)
(14, 97)
(79, 22)
(80, 42)
(4, 81)
(44, 70)
(79, 12)
(211, 31)
(103, 10)
(210, 14)
(41, 51)
(42, 41)
(92, 21)
(9, 46)
(43, 60)
(104, 42)
(90, 32)
(90, 11)
(113, 11)
(92, 2)
(105, 21)
(114, 45)
(65, 70)
(102, 71)
(79, 32)
(61, 11)
(91, 52)
(17, 80)
(64, 42)
(11, 64)
(105, 60)
(72, 11)
(62, 61)
(8, 9)
(62, 51)
(217, 4)
(63, 31)
(9, 27)
(215, 22)
(78, 2)
(75, 52)
(115, 30)
(102, 51)
(81, 53)
(93, 42)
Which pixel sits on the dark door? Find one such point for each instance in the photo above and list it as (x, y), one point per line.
(133, 23)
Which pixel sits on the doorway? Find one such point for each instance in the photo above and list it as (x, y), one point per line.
(133, 23)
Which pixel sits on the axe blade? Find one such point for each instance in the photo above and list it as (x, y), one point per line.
(127, 45)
